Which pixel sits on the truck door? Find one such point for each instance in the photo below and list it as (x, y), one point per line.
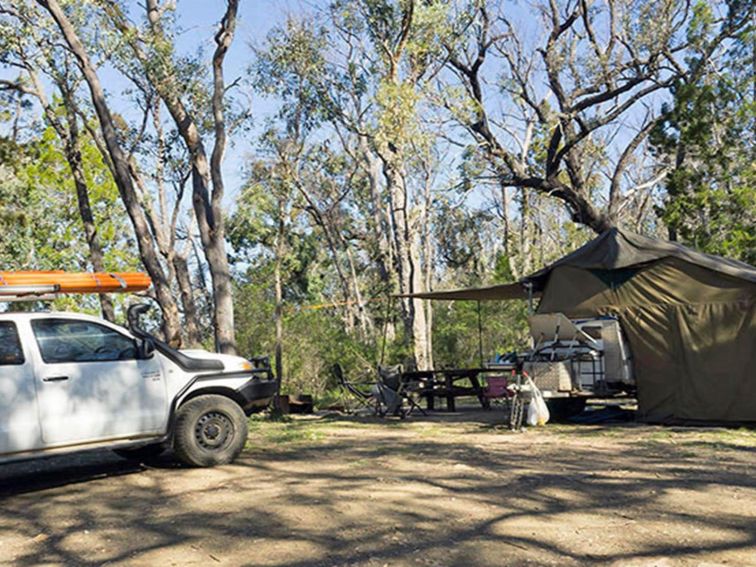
(19, 424)
(90, 385)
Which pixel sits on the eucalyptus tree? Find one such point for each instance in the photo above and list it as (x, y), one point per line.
(320, 166)
(369, 62)
(267, 224)
(564, 106)
(148, 51)
(30, 51)
(153, 47)
(116, 155)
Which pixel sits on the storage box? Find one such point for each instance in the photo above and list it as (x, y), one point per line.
(553, 376)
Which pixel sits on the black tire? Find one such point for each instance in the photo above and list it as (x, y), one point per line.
(210, 430)
(146, 452)
(562, 409)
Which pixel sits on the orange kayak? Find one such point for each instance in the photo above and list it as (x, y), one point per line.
(11, 283)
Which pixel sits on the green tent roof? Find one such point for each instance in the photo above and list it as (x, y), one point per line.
(614, 249)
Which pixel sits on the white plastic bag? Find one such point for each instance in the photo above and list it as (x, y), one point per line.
(532, 413)
(538, 411)
(542, 410)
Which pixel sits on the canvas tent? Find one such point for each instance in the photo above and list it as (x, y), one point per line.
(690, 320)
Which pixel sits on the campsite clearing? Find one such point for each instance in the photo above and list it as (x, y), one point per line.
(444, 490)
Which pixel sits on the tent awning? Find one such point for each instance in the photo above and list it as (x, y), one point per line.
(614, 249)
(516, 290)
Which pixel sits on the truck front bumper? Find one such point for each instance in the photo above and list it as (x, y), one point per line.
(256, 394)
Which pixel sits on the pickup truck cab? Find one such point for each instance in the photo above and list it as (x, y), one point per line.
(71, 382)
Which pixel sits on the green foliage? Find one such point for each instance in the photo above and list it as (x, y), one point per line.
(361, 89)
(463, 330)
(38, 208)
(293, 67)
(314, 337)
(456, 339)
(397, 103)
(708, 136)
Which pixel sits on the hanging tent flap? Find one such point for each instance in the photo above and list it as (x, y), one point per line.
(718, 363)
(656, 360)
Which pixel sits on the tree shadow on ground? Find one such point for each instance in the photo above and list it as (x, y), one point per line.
(377, 495)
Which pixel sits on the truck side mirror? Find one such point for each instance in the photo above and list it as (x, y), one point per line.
(133, 315)
(145, 348)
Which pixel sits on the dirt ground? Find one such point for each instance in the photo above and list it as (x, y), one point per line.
(447, 490)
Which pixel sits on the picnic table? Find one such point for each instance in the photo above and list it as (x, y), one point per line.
(442, 383)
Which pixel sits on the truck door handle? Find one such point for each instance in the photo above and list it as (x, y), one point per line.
(54, 378)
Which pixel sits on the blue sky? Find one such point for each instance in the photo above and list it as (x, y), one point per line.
(199, 19)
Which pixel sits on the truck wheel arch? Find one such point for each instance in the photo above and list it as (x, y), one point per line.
(216, 390)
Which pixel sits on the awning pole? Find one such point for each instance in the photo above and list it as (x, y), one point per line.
(480, 336)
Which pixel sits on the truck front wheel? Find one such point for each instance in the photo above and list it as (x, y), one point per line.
(210, 430)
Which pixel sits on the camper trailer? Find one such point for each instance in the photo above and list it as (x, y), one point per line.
(580, 357)
(573, 360)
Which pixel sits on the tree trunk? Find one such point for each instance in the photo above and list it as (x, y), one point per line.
(205, 173)
(211, 225)
(210, 221)
(379, 223)
(419, 326)
(191, 329)
(524, 241)
(428, 331)
(278, 283)
(408, 267)
(69, 137)
(361, 314)
(73, 155)
(428, 265)
(122, 176)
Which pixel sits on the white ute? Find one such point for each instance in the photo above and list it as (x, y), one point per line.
(71, 382)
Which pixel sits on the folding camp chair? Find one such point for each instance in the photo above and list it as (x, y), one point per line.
(497, 388)
(395, 392)
(364, 394)
(389, 390)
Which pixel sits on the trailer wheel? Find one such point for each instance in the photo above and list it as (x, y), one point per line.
(562, 409)
(210, 430)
